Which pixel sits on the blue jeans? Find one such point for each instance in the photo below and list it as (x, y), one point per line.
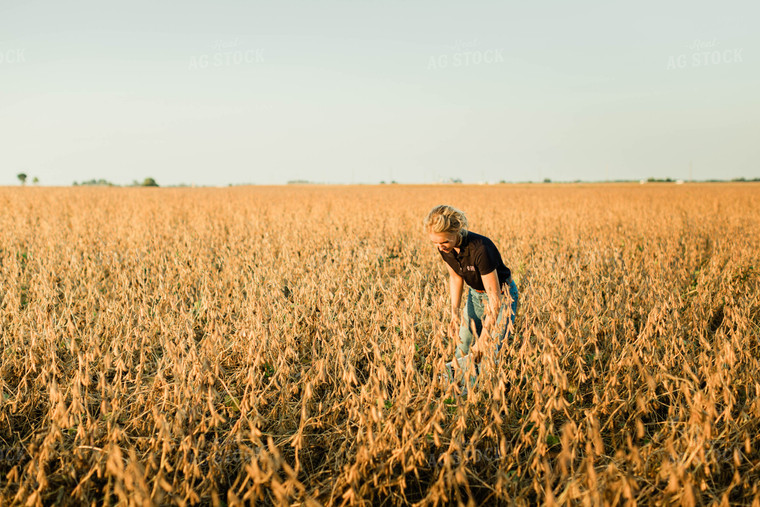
(474, 311)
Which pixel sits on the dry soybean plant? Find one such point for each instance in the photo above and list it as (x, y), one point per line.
(285, 345)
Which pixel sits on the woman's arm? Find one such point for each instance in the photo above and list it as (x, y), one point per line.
(456, 283)
(491, 285)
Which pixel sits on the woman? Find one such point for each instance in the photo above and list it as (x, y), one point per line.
(473, 259)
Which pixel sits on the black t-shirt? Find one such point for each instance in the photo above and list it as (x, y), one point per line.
(477, 256)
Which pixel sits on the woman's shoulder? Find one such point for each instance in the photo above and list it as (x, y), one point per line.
(478, 238)
(478, 242)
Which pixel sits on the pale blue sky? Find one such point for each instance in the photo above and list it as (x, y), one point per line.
(360, 91)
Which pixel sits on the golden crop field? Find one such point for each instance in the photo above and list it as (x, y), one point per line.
(284, 345)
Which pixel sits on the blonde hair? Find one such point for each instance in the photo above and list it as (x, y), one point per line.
(446, 219)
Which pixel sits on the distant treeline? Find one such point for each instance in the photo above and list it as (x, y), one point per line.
(150, 182)
(147, 182)
(670, 180)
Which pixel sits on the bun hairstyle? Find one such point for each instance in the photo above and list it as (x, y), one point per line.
(446, 219)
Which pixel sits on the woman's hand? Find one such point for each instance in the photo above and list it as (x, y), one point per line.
(488, 321)
(454, 327)
(476, 353)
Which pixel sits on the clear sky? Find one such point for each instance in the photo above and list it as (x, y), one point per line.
(361, 91)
